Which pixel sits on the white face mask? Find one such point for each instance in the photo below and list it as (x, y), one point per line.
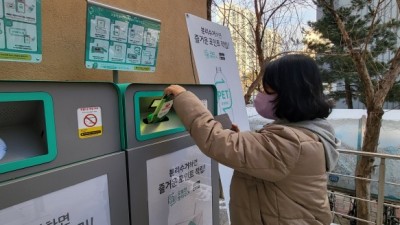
(265, 106)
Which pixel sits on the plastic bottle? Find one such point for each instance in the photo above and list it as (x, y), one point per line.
(224, 97)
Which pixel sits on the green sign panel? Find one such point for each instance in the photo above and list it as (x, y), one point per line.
(20, 31)
(120, 40)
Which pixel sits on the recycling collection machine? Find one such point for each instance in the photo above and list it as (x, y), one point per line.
(86, 153)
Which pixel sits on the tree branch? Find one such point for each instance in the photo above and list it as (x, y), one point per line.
(398, 4)
(371, 30)
(389, 78)
(356, 54)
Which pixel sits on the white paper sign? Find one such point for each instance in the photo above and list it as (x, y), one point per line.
(216, 63)
(179, 188)
(215, 60)
(86, 203)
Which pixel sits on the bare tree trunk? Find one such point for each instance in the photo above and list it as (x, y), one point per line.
(258, 8)
(264, 23)
(365, 167)
(252, 87)
(349, 94)
(398, 4)
(258, 38)
(209, 2)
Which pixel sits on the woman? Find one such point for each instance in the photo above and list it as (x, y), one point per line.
(279, 171)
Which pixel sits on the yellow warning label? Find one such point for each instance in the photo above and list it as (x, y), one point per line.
(89, 122)
(142, 68)
(15, 56)
(90, 132)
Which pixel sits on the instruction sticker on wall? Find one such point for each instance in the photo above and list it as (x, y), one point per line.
(120, 40)
(89, 122)
(20, 31)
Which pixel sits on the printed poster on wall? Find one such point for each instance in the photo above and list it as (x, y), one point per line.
(20, 31)
(179, 188)
(120, 40)
(86, 203)
(216, 63)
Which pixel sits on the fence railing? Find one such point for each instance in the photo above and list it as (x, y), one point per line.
(381, 185)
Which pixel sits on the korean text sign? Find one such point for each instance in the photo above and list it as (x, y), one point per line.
(86, 203)
(179, 188)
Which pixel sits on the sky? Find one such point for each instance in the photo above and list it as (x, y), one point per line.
(306, 14)
(309, 13)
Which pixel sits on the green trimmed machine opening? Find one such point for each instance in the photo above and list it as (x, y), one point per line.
(145, 103)
(27, 130)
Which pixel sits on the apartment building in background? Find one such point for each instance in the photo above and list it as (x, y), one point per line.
(241, 22)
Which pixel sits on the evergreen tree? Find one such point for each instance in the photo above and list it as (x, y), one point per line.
(367, 34)
(335, 61)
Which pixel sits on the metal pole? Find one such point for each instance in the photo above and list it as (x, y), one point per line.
(381, 191)
(115, 76)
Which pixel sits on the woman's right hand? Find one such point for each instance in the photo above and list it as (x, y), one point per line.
(174, 90)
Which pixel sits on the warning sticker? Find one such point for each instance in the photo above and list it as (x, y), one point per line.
(89, 122)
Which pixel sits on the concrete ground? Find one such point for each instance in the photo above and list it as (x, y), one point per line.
(223, 213)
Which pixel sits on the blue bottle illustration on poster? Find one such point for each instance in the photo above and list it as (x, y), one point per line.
(224, 96)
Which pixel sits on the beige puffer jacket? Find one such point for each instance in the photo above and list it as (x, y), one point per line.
(279, 173)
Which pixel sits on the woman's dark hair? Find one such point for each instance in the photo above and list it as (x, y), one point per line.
(297, 81)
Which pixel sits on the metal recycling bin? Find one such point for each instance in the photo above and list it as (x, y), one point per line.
(63, 162)
(44, 125)
(170, 180)
(89, 192)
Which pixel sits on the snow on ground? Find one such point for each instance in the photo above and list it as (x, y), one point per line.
(358, 113)
(336, 114)
(346, 123)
